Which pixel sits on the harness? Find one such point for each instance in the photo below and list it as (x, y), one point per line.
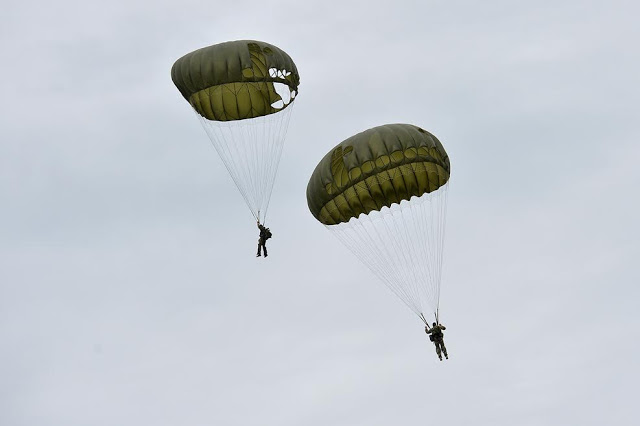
(436, 336)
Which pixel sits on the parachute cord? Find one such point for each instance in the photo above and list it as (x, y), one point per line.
(402, 245)
(272, 169)
(423, 319)
(250, 150)
(442, 230)
(356, 238)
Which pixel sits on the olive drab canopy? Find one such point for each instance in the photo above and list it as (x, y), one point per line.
(374, 169)
(234, 80)
(383, 193)
(243, 92)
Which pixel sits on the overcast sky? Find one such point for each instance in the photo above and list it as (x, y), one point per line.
(129, 289)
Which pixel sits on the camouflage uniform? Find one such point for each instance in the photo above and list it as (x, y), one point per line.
(438, 339)
(262, 241)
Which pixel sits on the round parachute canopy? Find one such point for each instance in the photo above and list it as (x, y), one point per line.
(243, 93)
(374, 169)
(383, 194)
(235, 80)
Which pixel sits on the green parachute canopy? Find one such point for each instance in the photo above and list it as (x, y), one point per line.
(383, 194)
(235, 80)
(243, 93)
(376, 168)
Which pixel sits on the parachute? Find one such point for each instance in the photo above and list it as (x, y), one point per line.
(383, 194)
(243, 93)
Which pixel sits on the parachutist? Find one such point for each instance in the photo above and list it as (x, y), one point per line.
(437, 337)
(265, 234)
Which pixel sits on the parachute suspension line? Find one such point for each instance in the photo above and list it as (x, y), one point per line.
(274, 136)
(431, 249)
(422, 273)
(399, 280)
(398, 274)
(272, 169)
(424, 320)
(440, 209)
(408, 259)
(221, 137)
(441, 233)
(357, 238)
(402, 245)
(397, 237)
(250, 150)
(421, 241)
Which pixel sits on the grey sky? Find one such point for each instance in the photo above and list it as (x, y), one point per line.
(129, 290)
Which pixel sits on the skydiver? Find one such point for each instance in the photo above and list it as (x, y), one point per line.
(265, 234)
(436, 336)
